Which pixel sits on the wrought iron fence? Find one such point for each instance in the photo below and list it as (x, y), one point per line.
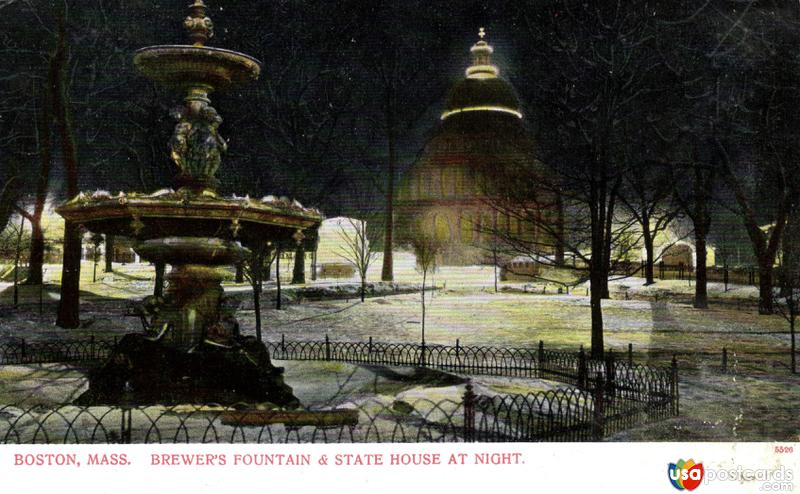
(84, 351)
(555, 415)
(572, 368)
(635, 381)
(369, 421)
(607, 396)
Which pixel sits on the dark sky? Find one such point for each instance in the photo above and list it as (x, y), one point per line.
(313, 125)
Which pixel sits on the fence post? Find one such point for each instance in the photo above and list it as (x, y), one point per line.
(674, 387)
(724, 360)
(369, 350)
(630, 353)
(422, 354)
(327, 347)
(469, 413)
(125, 426)
(541, 358)
(598, 424)
(91, 347)
(582, 384)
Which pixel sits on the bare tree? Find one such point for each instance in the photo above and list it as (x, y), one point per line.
(403, 87)
(764, 193)
(44, 149)
(427, 249)
(788, 306)
(255, 267)
(96, 239)
(357, 248)
(787, 299)
(69, 303)
(594, 71)
(647, 197)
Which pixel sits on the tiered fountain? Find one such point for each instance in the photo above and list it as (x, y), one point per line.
(194, 352)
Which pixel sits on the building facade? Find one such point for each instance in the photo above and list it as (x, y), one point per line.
(450, 191)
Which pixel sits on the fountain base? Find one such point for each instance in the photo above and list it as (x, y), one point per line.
(142, 371)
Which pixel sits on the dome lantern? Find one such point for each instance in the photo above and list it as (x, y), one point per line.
(482, 67)
(482, 90)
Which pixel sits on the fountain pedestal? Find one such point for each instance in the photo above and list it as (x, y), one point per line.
(193, 352)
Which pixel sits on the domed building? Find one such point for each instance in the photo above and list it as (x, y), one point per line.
(481, 142)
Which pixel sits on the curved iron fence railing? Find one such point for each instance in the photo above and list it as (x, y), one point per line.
(84, 351)
(634, 381)
(555, 415)
(606, 396)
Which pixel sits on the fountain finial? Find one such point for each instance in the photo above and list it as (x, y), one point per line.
(198, 24)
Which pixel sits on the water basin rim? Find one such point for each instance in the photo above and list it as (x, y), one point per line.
(196, 49)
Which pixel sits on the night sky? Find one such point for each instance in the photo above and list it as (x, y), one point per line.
(314, 126)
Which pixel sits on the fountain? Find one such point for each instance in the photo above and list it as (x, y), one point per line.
(193, 352)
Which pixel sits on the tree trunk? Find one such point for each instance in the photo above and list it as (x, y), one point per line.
(314, 264)
(36, 257)
(299, 267)
(424, 273)
(239, 272)
(69, 303)
(16, 260)
(109, 268)
(387, 271)
(278, 279)
(605, 267)
(158, 289)
(765, 285)
(257, 300)
(363, 287)
(649, 258)
(598, 282)
(701, 270)
(792, 319)
(95, 260)
(559, 247)
(43, 139)
(494, 261)
(595, 301)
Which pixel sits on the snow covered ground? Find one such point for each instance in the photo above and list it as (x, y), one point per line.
(756, 400)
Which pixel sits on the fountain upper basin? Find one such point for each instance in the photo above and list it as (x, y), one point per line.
(178, 65)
